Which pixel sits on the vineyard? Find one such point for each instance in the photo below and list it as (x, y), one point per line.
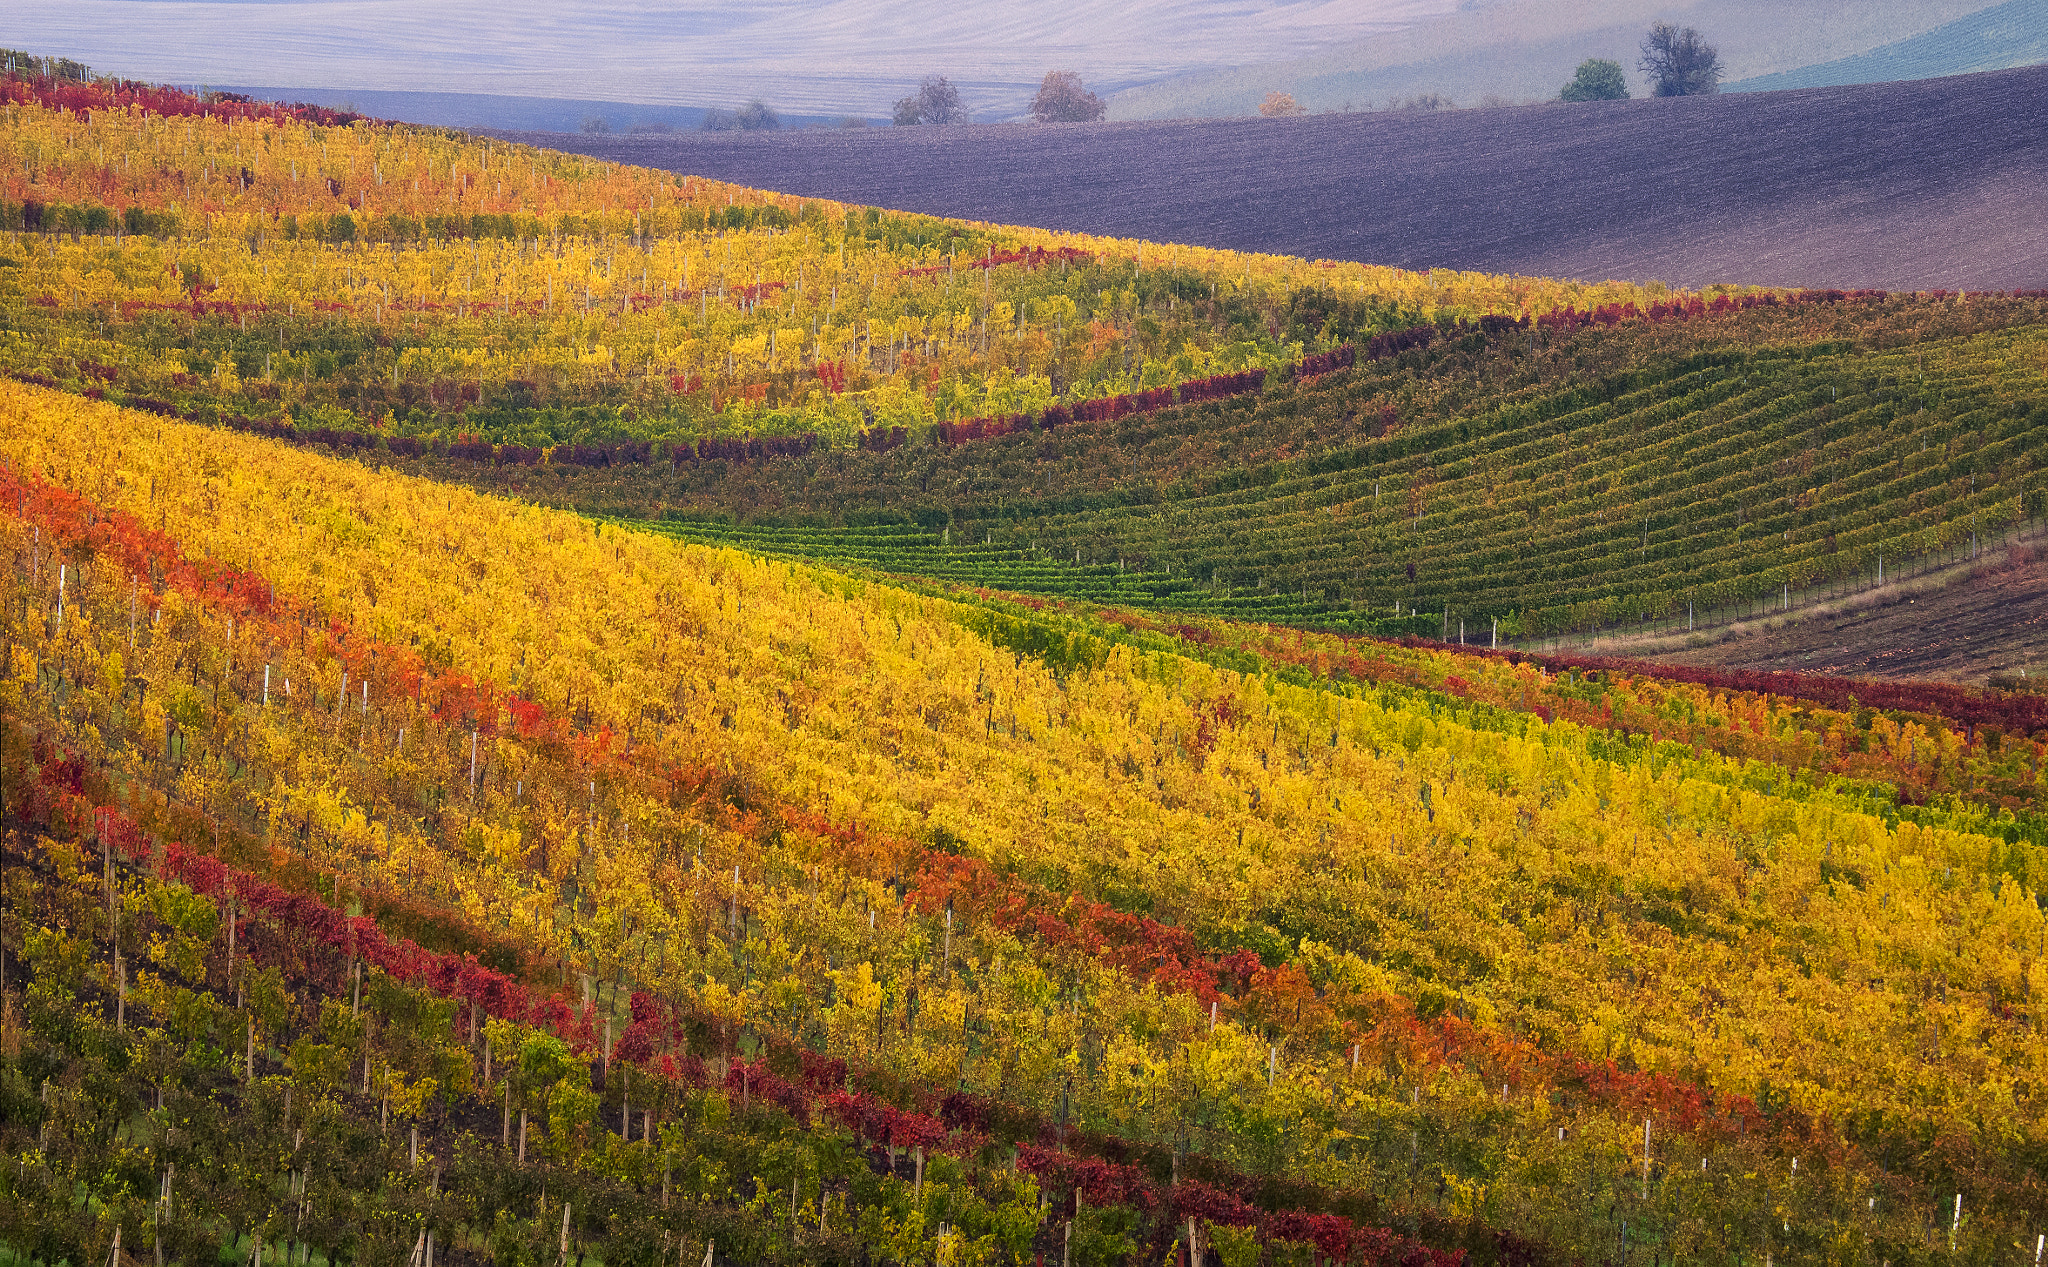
(857, 919)
(1341, 447)
(229, 262)
(527, 730)
(1516, 481)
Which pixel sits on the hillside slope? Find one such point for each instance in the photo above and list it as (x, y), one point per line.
(2010, 34)
(1525, 50)
(1552, 479)
(1333, 445)
(948, 920)
(397, 871)
(239, 262)
(1989, 622)
(1924, 185)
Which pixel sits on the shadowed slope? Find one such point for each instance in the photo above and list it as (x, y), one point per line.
(2011, 34)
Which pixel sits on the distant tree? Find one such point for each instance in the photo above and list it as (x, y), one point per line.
(1424, 101)
(936, 101)
(1680, 63)
(595, 125)
(1063, 99)
(1597, 80)
(755, 116)
(1281, 105)
(853, 121)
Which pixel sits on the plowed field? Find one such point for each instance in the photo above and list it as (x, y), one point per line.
(1994, 622)
(1926, 185)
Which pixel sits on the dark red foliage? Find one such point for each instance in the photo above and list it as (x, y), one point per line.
(1195, 1199)
(637, 1044)
(1393, 343)
(757, 1082)
(1110, 408)
(1338, 358)
(1221, 386)
(1569, 319)
(982, 428)
(823, 1074)
(876, 1121)
(744, 295)
(1029, 257)
(119, 94)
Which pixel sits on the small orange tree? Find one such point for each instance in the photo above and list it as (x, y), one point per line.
(1281, 105)
(1062, 98)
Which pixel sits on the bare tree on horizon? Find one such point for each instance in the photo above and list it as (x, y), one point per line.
(936, 101)
(1680, 63)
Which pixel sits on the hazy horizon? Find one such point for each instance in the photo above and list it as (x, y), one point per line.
(818, 56)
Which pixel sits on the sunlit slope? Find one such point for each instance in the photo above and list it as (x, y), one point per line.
(600, 725)
(407, 284)
(1546, 479)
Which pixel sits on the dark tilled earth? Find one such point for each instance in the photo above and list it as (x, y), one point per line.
(1995, 622)
(1935, 184)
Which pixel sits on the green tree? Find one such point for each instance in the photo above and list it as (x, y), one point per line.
(1597, 80)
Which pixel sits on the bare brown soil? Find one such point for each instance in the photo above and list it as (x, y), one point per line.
(1964, 626)
(1933, 184)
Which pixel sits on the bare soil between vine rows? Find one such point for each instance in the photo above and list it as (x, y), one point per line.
(1993, 620)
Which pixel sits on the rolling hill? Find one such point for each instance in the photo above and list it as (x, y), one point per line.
(1526, 50)
(409, 857)
(1523, 482)
(2007, 35)
(1924, 185)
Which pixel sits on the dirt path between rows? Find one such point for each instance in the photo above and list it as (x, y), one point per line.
(1965, 626)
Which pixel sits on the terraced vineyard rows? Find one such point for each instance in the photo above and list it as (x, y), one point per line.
(391, 865)
(913, 552)
(739, 365)
(408, 284)
(1722, 479)
(1699, 472)
(1392, 944)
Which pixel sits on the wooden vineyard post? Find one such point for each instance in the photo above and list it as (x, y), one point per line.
(1646, 1158)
